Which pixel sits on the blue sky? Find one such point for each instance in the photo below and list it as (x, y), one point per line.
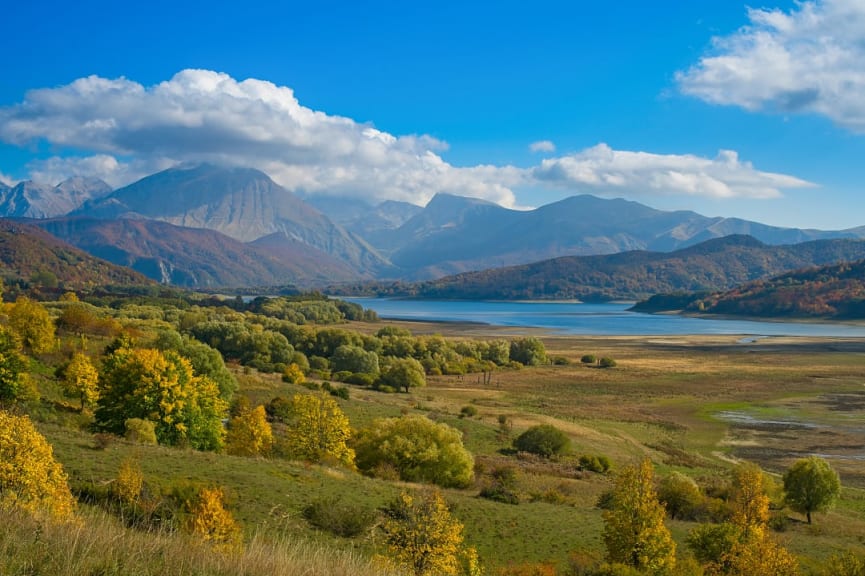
(708, 106)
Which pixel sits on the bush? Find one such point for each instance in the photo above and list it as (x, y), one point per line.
(588, 359)
(420, 449)
(606, 362)
(141, 431)
(544, 440)
(335, 516)
(468, 412)
(599, 463)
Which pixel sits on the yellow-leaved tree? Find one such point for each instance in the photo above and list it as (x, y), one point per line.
(317, 430)
(634, 531)
(743, 547)
(31, 321)
(81, 380)
(209, 519)
(249, 433)
(160, 386)
(30, 478)
(424, 538)
(129, 482)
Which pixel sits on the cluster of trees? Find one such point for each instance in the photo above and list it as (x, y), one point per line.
(392, 359)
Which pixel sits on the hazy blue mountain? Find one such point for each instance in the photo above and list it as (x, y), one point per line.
(454, 234)
(242, 203)
(30, 200)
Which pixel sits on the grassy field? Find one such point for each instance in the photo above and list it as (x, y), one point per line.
(692, 404)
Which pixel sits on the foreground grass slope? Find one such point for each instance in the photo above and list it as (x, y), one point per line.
(693, 405)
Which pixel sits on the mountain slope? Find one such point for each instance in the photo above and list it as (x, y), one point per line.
(194, 257)
(712, 265)
(26, 250)
(455, 234)
(832, 292)
(242, 203)
(30, 200)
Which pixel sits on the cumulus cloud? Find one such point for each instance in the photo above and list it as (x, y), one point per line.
(601, 169)
(131, 130)
(201, 115)
(542, 146)
(808, 60)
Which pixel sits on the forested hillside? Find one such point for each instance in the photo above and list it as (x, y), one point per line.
(835, 292)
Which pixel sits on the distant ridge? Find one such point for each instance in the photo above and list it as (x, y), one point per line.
(716, 264)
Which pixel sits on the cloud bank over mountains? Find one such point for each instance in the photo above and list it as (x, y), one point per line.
(120, 130)
(808, 60)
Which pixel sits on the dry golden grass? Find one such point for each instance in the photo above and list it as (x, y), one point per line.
(100, 545)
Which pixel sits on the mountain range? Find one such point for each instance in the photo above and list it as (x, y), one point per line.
(206, 225)
(713, 265)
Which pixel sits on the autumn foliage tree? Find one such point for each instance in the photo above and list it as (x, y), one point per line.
(151, 385)
(424, 538)
(634, 530)
(80, 380)
(317, 430)
(31, 321)
(743, 547)
(209, 519)
(249, 433)
(30, 478)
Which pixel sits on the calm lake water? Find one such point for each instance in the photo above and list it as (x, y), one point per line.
(608, 319)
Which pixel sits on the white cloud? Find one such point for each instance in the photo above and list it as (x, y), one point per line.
(200, 115)
(131, 130)
(601, 169)
(808, 60)
(542, 146)
(7, 180)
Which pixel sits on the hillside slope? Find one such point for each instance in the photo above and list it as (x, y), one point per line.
(26, 250)
(832, 292)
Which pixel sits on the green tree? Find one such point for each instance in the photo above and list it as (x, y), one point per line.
(544, 440)
(13, 376)
(422, 536)
(30, 320)
(811, 485)
(317, 429)
(30, 478)
(680, 495)
(355, 359)
(419, 449)
(634, 530)
(81, 380)
(249, 433)
(151, 385)
(402, 373)
(529, 351)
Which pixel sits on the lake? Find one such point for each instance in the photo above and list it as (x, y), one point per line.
(607, 319)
